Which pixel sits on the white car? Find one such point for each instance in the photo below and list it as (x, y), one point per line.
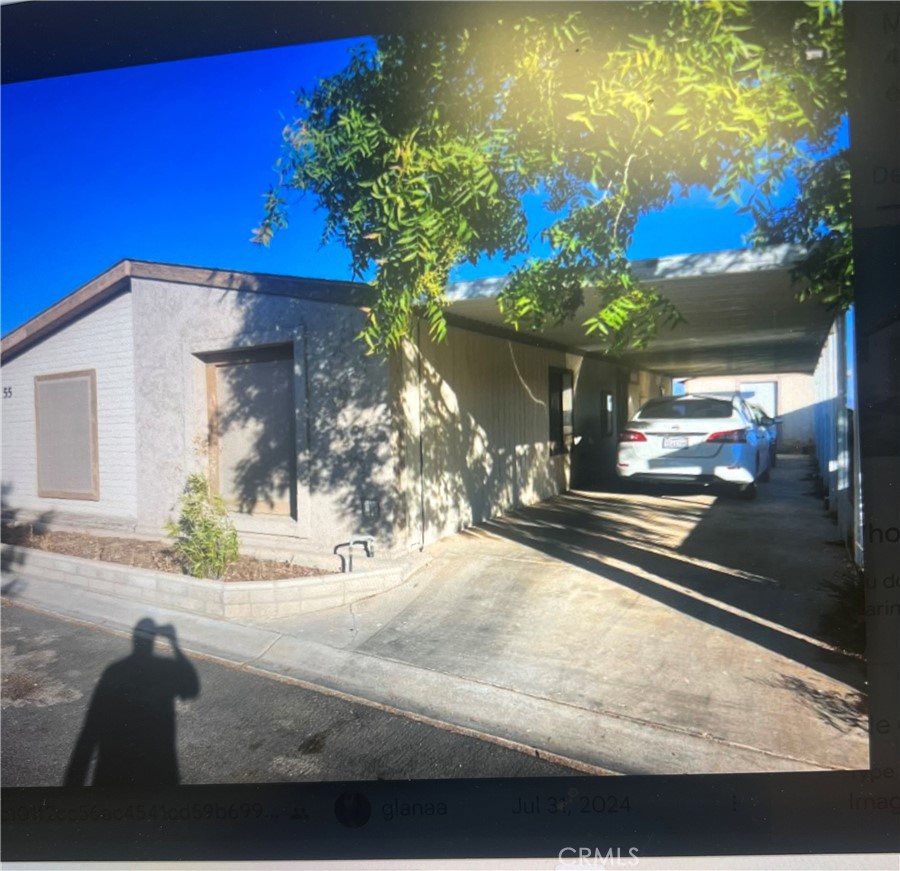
(695, 438)
(770, 424)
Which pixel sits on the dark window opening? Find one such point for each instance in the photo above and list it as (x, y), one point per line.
(562, 431)
(607, 414)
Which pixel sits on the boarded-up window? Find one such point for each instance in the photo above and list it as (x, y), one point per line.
(252, 434)
(66, 418)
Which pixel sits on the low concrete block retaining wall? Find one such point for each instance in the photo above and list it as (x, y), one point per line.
(231, 599)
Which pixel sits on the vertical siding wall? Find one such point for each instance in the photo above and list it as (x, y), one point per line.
(101, 340)
(344, 413)
(833, 446)
(478, 425)
(476, 434)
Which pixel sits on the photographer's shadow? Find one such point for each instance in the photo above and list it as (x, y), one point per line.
(130, 724)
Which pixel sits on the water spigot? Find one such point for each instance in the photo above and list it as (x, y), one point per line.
(368, 543)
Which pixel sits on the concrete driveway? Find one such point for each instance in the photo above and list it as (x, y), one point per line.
(639, 632)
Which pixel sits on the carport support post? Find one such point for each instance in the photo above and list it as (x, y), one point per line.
(873, 39)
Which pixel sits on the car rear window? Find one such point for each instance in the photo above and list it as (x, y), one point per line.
(674, 407)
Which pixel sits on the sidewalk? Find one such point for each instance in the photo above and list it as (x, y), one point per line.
(547, 632)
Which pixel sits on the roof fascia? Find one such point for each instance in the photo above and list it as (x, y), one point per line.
(118, 278)
(113, 281)
(508, 334)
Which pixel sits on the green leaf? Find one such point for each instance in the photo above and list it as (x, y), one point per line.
(582, 118)
(418, 173)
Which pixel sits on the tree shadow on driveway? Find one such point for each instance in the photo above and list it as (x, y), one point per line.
(756, 609)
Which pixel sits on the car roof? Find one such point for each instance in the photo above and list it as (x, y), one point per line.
(657, 401)
(721, 397)
(728, 397)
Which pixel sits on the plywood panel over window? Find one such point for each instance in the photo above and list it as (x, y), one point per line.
(253, 457)
(66, 421)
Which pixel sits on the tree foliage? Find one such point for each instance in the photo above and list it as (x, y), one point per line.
(819, 219)
(421, 150)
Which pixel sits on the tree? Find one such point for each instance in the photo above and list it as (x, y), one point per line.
(819, 218)
(420, 151)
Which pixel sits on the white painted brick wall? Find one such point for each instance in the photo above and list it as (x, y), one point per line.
(101, 340)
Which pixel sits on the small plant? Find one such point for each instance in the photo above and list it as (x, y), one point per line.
(205, 538)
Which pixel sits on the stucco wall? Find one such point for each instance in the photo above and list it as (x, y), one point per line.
(438, 438)
(100, 340)
(344, 463)
(795, 399)
(643, 385)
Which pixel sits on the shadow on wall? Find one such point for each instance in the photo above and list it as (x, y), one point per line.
(481, 412)
(16, 530)
(356, 458)
(795, 432)
(337, 452)
(256, 434)
(601, 406)
(480, 460)
(129, 729)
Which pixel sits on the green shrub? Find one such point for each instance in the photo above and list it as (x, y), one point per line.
(205, 538)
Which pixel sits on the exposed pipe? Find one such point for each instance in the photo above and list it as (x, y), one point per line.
(368, 543)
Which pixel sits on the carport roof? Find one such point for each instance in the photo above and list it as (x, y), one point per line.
(740, 309)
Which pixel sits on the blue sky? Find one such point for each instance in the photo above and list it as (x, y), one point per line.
(170, 162)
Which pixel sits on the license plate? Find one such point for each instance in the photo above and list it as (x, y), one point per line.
(675, 442)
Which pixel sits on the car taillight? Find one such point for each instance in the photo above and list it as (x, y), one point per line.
(629, 435)
(731, 436)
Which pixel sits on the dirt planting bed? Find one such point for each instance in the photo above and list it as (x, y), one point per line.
(156, 555)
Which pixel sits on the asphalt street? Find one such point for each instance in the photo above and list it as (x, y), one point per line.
(240, 728)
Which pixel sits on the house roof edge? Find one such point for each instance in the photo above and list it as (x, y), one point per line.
(119, 276)
(109, 283)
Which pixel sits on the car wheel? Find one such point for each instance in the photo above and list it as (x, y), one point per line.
(747, 492)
